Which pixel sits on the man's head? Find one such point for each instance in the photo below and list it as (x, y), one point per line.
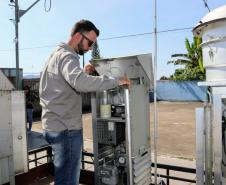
(83, 35)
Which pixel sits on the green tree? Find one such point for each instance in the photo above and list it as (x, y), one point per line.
(95, 56)
(95, 52)
(164, 78)
(192, 61)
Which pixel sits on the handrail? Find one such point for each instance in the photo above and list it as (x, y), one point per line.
(165, 176)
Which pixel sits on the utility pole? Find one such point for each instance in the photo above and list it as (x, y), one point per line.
(155, 94)
(18, 14)
(17, 44)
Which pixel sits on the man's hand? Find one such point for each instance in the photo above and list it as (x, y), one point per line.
(124, 81)
(89, 68)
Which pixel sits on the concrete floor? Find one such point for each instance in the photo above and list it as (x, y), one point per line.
(176, 133)
(176, 128)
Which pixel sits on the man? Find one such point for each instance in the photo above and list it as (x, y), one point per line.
(61, 82)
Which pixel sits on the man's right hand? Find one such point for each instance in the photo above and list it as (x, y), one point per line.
(124, 81)
(89, 68)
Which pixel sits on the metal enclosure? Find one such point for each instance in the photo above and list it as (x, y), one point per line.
(20, 153)
(121, 123)
(211, 119)
(10, 73)
(6, 137)
(212, 29)
(13, 141)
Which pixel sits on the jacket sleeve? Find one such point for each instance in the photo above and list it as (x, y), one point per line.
(82, 82)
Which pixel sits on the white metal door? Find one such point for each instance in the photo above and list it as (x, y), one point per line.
(19, 132)
(6, 148)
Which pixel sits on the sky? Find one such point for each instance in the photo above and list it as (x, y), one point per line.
(41, 31)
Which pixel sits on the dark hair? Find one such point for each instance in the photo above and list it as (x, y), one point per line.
(84, 26)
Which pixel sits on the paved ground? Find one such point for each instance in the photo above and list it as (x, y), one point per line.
(176, 132)
(176, 128)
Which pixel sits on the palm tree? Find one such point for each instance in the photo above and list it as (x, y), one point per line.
(192, 61)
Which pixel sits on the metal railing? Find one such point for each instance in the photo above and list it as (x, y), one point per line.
(166, 176)
(170, 168)
(45, 154)
(87, 154)
(167, 168)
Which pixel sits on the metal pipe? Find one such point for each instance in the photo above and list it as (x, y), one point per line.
(155, 91)
(18, 14)
(209, 98)
(208, 154)
(213, 40)
(128, 126)
(22, 12)
(200, 143)
(17, 43)
(208, 145)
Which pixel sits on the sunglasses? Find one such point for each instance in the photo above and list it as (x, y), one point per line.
(90, 42)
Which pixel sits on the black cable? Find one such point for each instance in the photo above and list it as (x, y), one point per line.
(176, 29)
(148, 33)
(45, 6)
(206, 5)
(37, 47)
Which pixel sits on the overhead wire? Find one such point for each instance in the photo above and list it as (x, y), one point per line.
(108, 38)
(206, 5)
